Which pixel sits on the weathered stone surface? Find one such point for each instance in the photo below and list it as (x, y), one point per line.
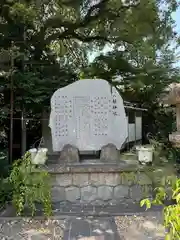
(109, 153)
(111, 179)
(63, 180)
(136, 193)
(146, 191)
(113, 202)
(80, 179)
(169, 192)
(72, 193)
(143, 179)
(69, 154)
(105, 192)
(97, 179)
(88, 193)
(97, 202)
(121, 192)
(58, 194)
(79, 124)
(128, 178)
(94, 168)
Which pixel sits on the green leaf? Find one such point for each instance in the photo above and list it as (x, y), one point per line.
(168, 236)
(175, 193)
(146, 202)
(178, 198)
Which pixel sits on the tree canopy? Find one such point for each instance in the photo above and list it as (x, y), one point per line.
(49, 42)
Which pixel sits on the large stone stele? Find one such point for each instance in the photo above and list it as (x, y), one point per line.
(109, 153)
(85, 117)
(69, 154)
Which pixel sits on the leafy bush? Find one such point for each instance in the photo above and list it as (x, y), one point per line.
(171, 212)
(30, 186)
(4, 165)
(5, 192)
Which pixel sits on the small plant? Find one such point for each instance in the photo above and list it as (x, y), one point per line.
(5, 192)
(4, 165)
(159, 149)
(30, 186)
(171, 212)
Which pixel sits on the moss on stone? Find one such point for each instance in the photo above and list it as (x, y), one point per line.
(128, 156)
(144, 179)
(162, 175)
(128, 178)
(154, 176)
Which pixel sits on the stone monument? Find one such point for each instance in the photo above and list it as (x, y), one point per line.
(174, 99)
(88, 115)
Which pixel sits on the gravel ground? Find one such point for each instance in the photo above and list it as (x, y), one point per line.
(141, 227)
(134, 227)
(26, 229)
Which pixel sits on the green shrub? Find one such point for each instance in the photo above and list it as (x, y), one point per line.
(5, 192)
(30, 186)
(4, 165)
(171, 212)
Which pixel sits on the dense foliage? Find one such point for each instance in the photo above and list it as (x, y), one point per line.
(171, 212)
(47, 44)
(51, 41)
(30, 186)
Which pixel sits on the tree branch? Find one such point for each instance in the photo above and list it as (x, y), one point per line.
(90, 38)
(89, 18)
(71, 34)
(70, 27)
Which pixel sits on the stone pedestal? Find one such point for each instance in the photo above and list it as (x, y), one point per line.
(109, 153)
(174, 138)
(178, 117)
(69, 154)
(100, 184)
(174, 99)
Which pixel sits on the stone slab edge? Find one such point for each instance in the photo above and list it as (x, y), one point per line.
(96, 168)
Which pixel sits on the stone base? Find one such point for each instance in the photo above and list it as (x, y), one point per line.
(109, 153)
(104, 183)
(69, 154)
(174, 138)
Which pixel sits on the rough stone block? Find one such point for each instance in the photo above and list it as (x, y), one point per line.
(98, 202)
(58, 194)
(128, 178)
(69, 154)
(88, 193)
(136, 193)
(113, 202)
(109, 153)
(72, 193)
(80, 179)
(169, 192)
(63, 180)
(97, 179)
(111, 179)
(105, 192)
(121, 192)
(146, 191)
(69, 102)
(143, 179)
